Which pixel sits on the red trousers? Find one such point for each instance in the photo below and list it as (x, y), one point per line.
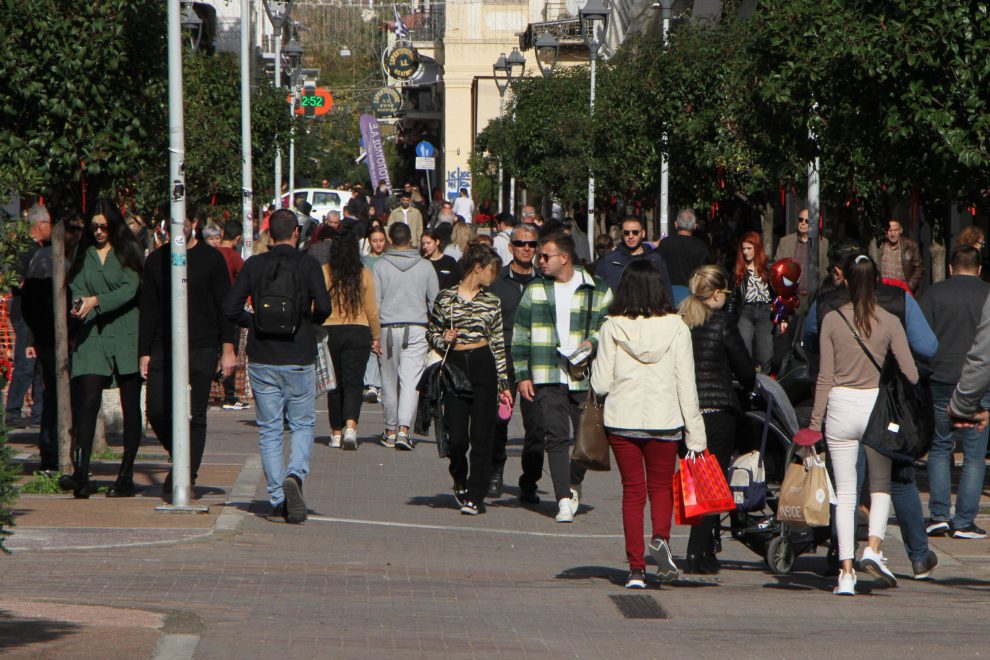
(646, 466)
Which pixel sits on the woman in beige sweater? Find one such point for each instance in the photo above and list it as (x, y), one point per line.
(354, 332)
(845, 395)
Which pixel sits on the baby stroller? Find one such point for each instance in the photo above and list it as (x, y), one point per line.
(768, 427)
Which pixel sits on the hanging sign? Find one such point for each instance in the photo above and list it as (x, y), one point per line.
(402, 62)
(386, 102)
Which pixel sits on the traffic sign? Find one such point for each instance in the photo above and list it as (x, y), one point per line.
(426, 163)
(313, 101)
(424, 149)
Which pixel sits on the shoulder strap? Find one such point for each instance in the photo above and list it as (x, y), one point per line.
(859, 339)
(587, 312)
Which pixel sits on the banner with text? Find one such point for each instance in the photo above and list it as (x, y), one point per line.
(377, 166)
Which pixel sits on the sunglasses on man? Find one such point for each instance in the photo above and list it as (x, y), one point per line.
(524, 244)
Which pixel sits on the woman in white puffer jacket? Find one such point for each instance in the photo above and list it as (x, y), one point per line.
(645, 364)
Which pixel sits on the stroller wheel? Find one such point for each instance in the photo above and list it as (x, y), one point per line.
(780, 555)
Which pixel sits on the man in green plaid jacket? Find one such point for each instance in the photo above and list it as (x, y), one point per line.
(555, 318)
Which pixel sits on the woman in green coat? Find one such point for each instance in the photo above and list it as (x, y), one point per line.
(104, 281)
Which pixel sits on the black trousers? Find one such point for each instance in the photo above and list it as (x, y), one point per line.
(47, 444)
(202, 369)
(532, 450)
(229, 382)
(350, 346)
(87, 395)
(559, 413)
(720, 429)
(470, 421)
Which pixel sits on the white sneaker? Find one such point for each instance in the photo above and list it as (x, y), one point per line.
(847, 584)
(350, 439)
(576, 497)
(875, 564)
(335, 441)
(565, 510)
(388, 439)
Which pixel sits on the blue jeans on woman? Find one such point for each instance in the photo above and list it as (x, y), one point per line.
(284, 393)
(974, 445)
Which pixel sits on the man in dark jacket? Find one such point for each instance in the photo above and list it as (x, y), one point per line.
(281, 365)
(509, 286)
(682, 252)
(633, 246)
(953, 308)
(211, 335)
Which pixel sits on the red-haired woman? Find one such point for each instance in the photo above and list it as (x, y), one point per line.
(751, 299)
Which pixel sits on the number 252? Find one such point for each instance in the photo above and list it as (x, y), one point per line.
(312, 101)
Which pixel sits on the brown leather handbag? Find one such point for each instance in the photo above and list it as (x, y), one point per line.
(590, 438)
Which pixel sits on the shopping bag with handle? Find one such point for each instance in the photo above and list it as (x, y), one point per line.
(701, 475)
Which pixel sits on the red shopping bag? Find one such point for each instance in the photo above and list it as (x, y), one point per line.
(680, 517)
(704, 487)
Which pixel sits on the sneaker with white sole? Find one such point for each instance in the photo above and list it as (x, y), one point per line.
(335, 441)
(666, 568)
(847, 584)
(236, 405)
(565, 510)
(923, 569)
(403, 441)
(576, 496)
(970, 531)
(350, 439)
(875, 564)
(636, 580)
(371, 394)
(388, 440)
(470, 509)
(937, 527)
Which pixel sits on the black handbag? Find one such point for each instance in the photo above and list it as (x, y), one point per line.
(903, 420)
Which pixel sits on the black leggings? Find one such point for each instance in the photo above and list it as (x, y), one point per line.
(350, 346)
(87, 394)
(471, 421)
(720, 429)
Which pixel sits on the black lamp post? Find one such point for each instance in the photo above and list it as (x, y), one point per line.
(193, 24)
(547, 49)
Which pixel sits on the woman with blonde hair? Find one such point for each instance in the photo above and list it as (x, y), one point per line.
(719, 353)
(462, 234)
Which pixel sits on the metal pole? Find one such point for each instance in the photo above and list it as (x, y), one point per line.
(512, 194)
(177, 269)
(292, 142)
(278, 86)
(591, 179)
(501, 111)
(814, 217)
(664, 160)
(247, 204)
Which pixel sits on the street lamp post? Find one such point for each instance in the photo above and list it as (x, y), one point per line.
(293, 54)
(594, 21)
(193, 24)
(500, 71)
(278, 14)
(547, 49)
(666, 7)
(247, 192)
(516, 62)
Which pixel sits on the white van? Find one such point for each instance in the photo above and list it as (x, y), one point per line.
(323, 200)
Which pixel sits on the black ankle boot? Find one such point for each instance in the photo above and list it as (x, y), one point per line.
(124, 486)
(495, 485)
(702, 565)
(78, 482)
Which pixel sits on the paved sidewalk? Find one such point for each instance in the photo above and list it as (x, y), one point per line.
(386, 567)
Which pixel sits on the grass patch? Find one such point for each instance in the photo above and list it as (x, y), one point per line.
(107, 454)
(42, 484)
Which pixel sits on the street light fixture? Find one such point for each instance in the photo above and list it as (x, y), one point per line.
(500, 71)
(516, 62)
(278, 14)
(666, 13)
(594, 22)
(547, 49)
(293, 52)
(193, 24)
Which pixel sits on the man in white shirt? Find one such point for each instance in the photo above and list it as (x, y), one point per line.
(501, 241)
(464, 206)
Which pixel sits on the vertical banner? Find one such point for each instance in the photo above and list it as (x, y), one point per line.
(377, 167)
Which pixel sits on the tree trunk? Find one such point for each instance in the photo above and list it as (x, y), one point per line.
(766, 225)
(64, 417)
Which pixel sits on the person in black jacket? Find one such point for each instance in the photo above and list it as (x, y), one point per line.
(211, 335)
(280, 366)
(634, 246)
(719, 354)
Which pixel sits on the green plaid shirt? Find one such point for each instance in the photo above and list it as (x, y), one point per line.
(534, 333)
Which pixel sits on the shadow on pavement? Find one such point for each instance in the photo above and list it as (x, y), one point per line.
(16, 631)
(609, 573)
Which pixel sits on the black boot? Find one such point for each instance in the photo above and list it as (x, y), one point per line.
(78, 483)
(124, 486)
(495, 485)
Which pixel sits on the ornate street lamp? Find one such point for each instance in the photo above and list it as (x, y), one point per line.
(193, 24)
(547, 49)
(517, 65)
(500, 71)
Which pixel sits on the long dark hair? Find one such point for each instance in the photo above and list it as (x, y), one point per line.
(479, 254)
(860, 273)
(120, 236)
(641, 292)
(346, 267)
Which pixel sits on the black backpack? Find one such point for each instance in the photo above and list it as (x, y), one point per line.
(278, 304)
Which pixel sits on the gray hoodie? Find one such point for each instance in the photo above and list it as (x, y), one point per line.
(406, 286)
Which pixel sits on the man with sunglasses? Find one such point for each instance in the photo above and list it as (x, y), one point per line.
(798, 246)
(515, 276)
(634, 246)
(558, 318)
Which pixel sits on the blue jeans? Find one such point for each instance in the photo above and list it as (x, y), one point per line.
(906, 500)
(284, 393)
(974, 444)
(26, 375)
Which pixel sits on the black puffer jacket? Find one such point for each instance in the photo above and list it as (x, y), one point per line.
(719, 353)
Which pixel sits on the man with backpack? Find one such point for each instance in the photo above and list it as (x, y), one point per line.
(288, 296)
